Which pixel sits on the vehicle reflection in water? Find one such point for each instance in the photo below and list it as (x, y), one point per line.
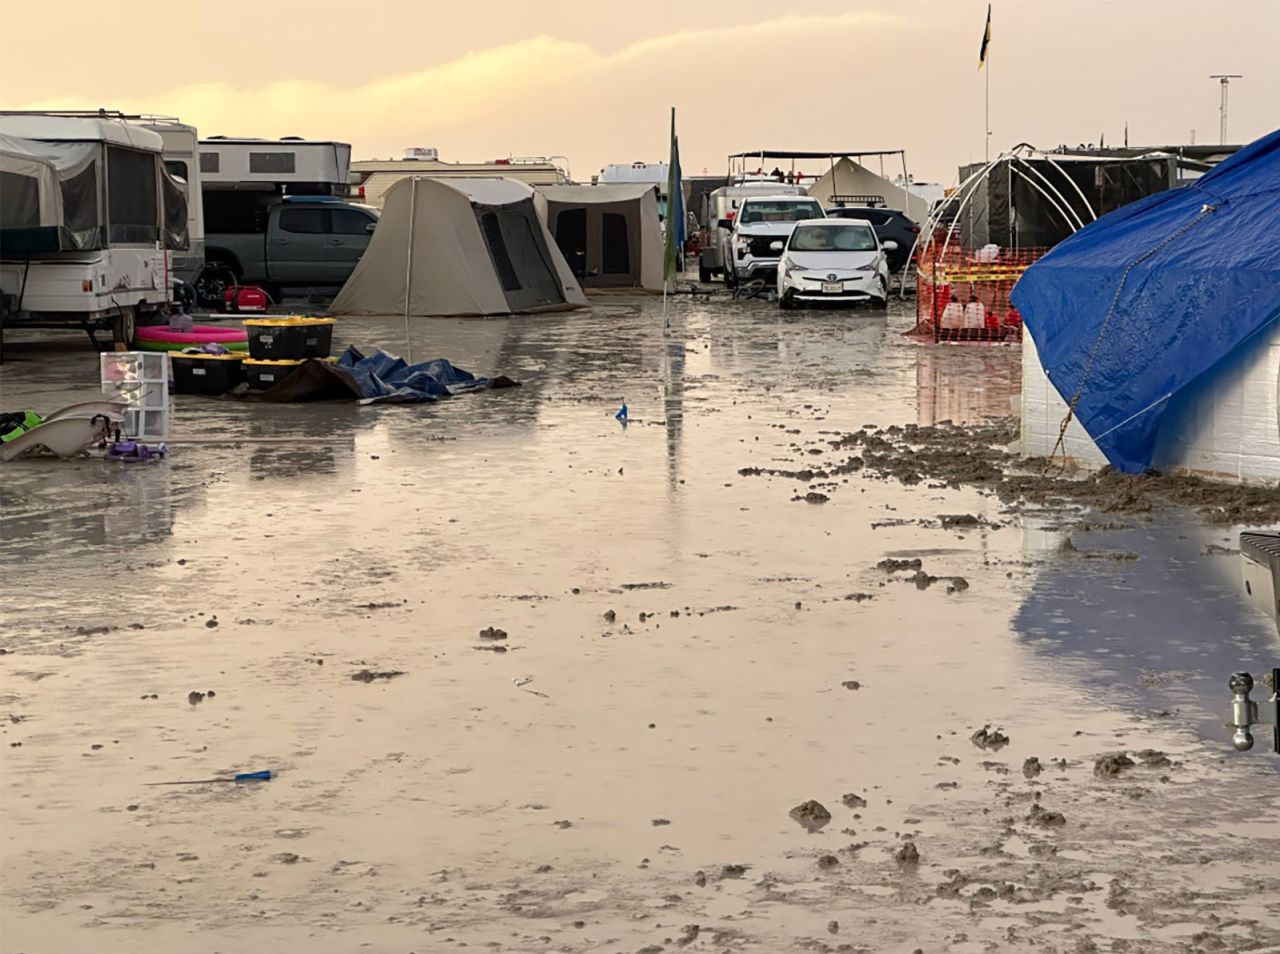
(1146, 618)
(966, 384)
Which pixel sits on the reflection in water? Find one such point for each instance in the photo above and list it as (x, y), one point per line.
(1144, 618)
(673, 363)
(290, 462)
(966, 383)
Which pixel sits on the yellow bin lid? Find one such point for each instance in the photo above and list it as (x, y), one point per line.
(278, 362)
(287, 322)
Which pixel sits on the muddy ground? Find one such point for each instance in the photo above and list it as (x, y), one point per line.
(786, 664)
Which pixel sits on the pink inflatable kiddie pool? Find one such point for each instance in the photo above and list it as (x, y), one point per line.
(164, 338)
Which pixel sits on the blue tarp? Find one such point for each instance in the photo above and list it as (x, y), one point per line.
(386, 377)
(1203, 277)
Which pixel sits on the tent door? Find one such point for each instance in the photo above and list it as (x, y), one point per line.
(571, 236)
(613, 244)
(520, 257)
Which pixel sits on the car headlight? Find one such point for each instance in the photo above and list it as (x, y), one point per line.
(794, 269)
(869, 267)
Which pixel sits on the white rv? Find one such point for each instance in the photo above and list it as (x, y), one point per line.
(296, 166)
(182, 160)
(88, 219)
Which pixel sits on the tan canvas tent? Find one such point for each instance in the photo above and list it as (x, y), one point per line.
(609, 234)
(848, 178)
(459, 247)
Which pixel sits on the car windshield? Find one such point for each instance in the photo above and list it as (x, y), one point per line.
(754, 211)
(833, 238)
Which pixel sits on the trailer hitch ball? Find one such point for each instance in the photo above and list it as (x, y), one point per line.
(1242, 714)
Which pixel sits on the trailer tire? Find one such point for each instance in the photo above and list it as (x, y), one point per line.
(124, 327)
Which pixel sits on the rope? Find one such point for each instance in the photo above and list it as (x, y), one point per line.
(1205, 211)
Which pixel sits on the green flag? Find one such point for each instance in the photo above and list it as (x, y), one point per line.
(675, 209)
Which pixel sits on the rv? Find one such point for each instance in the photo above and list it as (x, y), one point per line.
(292, 165)
(89, 217)
(182, 160)
(371, 179)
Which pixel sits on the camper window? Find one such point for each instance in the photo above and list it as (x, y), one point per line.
(498, 252)
(304, 221)
(209, 162)
(19, 201)
(178, 169)
(263, 163)
(132, 213)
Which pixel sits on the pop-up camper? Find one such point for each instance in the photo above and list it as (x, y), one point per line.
(90, 218)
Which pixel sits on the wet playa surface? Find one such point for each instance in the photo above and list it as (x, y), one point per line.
(698, 641)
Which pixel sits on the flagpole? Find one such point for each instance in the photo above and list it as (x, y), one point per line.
(987, 121)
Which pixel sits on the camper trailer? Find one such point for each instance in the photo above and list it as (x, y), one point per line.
(292, 165)
(182, 160)
(89, 217)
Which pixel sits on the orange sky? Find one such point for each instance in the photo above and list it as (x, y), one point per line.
(593, 79)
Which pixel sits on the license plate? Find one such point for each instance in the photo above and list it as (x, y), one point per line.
(832, 288)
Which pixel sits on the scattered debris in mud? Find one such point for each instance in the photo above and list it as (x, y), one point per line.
(1031, 767)
(366, 675)
(853, 801)
(890, 565)
(988, 738)
(490, 633)
(907, 854)
(1109, 766)
(811, 815)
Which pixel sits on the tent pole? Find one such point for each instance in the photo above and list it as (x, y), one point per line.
(408, 267)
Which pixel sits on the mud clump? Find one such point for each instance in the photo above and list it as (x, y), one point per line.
(811, 815)
(853, 801)
(1109, 766)
(1150, 758)
(890, 565)
(851, 684)
(367, 676)
(1045, 819)
(908, 854)
(490, 633)
(688, 934)
(988, 738)
(959, 521)
(1031, 767)
(827, 862)
(195, 698)
(833, 927)
(814, 497)
(978, 456)
(732, 871)
(610, 616)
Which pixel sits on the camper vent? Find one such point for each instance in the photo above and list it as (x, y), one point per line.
(430, 153)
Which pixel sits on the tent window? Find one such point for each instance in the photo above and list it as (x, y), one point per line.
(498, 251)
(271, 162)
(132, 212)
(80, 200)
(303, 221)
(175, 212)
(615, 251)
(19, 201)
(209, 162)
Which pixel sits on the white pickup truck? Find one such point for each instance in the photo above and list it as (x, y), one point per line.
(752, 244)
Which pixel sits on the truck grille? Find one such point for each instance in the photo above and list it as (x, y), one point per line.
(759, 246)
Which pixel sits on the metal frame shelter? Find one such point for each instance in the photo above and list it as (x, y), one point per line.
(739, 168)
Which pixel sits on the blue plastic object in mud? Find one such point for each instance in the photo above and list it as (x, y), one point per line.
(264, 776)
(621, 415)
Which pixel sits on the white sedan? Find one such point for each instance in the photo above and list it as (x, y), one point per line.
(836, 261)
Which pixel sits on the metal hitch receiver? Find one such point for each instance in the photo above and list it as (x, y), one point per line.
(1245, 713)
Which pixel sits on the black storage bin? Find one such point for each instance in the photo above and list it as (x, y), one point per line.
(265, 374)
(276, 339)
(205, 373)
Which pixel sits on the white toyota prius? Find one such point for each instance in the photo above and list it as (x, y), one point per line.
(834, 261)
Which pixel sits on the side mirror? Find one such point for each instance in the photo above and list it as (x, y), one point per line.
(889, 245)
(775, 246)
(370, 227)
(725, 224)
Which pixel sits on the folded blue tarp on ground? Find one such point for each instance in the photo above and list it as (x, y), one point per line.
(1135, 307)
(387, 377)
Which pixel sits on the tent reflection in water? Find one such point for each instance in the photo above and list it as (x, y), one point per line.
(459, 247)
(610, 234)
